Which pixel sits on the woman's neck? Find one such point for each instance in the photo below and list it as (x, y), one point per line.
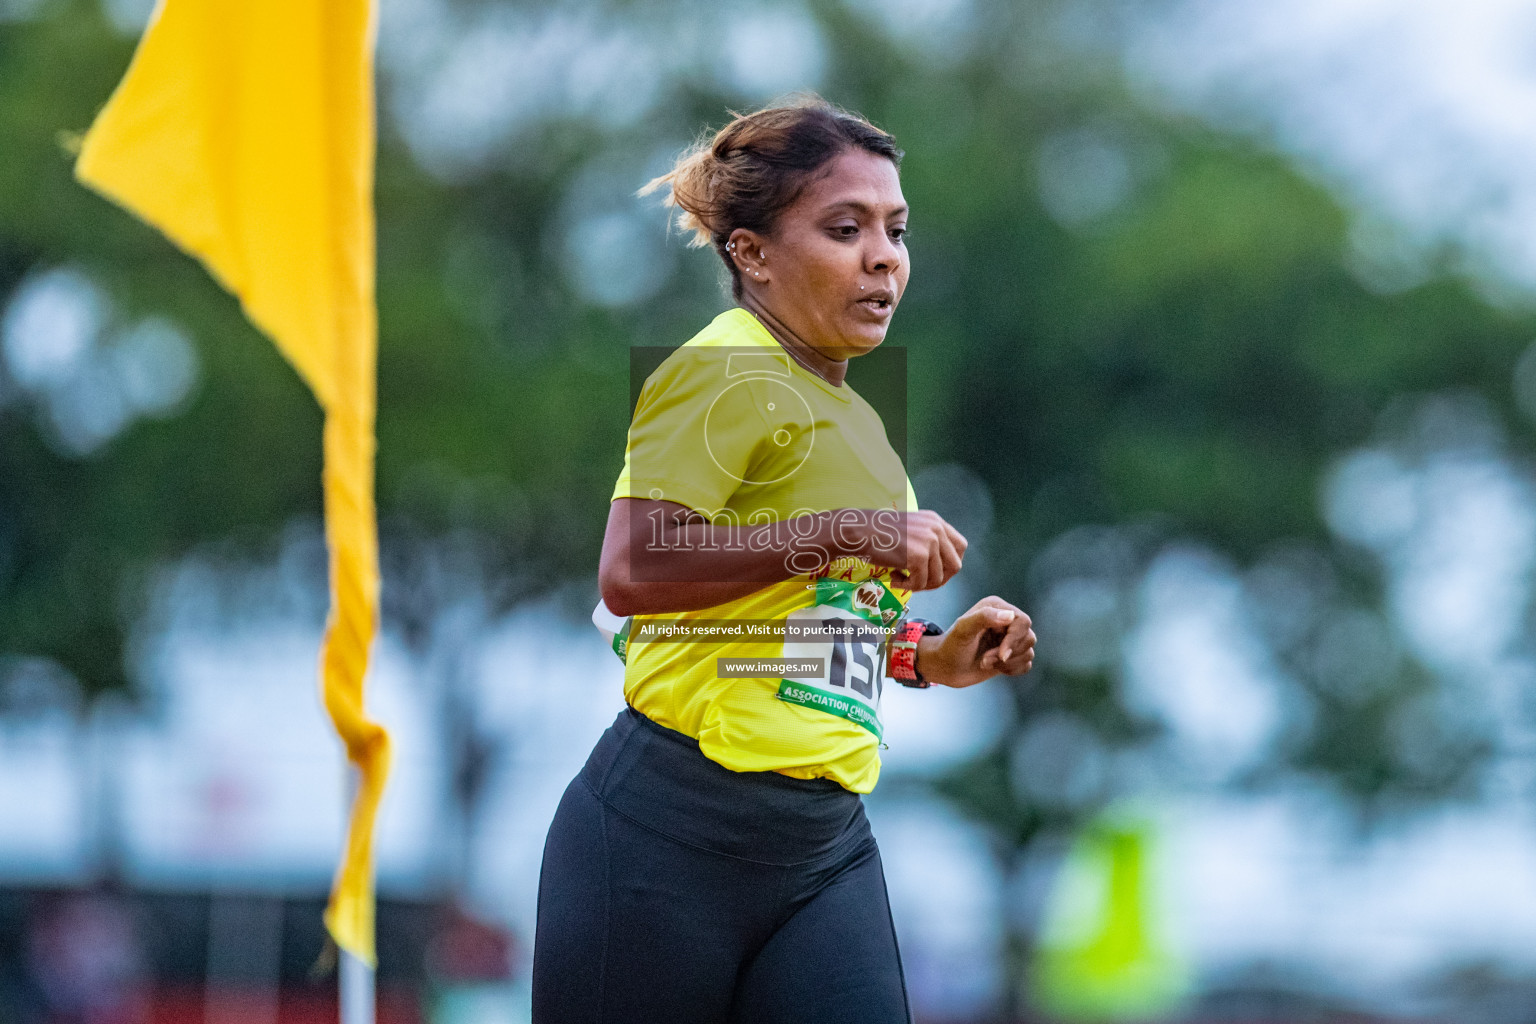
(833, 371)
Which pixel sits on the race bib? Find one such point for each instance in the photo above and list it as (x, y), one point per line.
(841, 634)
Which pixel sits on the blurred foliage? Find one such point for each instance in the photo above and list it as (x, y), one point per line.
(1182, 352)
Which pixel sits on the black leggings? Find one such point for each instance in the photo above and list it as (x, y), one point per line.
(675, 890)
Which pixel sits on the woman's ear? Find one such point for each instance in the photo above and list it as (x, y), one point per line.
(749, 255)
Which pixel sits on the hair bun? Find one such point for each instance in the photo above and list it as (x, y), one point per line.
(715, 192)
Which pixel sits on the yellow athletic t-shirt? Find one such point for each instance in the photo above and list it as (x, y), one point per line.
(730, 426)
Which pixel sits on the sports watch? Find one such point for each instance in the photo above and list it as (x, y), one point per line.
(901, 664)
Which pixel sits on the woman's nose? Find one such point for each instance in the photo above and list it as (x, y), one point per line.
(884, 256)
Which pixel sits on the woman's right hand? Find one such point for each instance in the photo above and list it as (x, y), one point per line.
(924, 550)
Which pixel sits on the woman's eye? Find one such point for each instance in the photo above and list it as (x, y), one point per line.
(899, 234)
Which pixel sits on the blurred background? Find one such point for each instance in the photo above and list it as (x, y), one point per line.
(1220, 347)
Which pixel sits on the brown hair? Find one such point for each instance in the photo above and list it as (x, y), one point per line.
(756, 166)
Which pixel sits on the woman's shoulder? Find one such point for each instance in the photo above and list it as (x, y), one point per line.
(734, 328)
(732, 346)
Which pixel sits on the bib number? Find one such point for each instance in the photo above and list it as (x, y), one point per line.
(843, 632)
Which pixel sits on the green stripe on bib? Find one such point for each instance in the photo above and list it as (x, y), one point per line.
(831, 703)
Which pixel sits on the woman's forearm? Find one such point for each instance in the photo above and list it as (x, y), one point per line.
(660, 557)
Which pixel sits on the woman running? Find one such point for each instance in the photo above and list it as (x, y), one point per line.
(712, 861)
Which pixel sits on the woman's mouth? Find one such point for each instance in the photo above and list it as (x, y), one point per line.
(879, 302)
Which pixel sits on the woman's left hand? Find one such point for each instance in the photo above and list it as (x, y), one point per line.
(992, 637)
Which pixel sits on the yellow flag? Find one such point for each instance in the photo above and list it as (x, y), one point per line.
(244, 130)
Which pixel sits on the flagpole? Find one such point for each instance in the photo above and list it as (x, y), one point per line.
(354, 978)
(357, 990)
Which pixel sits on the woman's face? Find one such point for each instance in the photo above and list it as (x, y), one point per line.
(836, 262)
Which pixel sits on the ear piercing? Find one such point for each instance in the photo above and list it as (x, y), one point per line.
(731, 248)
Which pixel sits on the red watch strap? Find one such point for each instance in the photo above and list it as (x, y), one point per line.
(902, 665)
